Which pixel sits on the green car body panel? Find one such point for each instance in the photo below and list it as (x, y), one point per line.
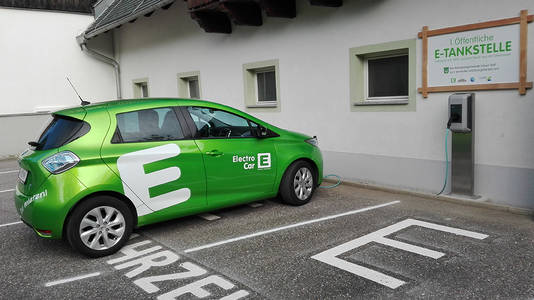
(236, 171)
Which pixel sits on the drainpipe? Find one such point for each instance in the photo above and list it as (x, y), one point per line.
(83, 45)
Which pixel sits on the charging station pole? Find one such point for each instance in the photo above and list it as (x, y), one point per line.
(462, 125)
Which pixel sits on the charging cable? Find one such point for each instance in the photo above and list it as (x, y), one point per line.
(446, 158)
(331, 186)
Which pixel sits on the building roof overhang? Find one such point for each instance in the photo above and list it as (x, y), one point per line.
(79, 6)
(212, 15)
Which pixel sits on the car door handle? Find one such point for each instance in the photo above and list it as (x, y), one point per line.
(214, 153)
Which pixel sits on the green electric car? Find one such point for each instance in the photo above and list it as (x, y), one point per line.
(100, 170)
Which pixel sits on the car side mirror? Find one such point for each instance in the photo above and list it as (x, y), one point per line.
(261, 132)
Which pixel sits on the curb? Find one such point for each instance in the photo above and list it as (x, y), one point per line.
(451, 199)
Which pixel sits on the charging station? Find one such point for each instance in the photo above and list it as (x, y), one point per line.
(462, 125)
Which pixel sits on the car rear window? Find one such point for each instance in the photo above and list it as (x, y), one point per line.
(61, 131)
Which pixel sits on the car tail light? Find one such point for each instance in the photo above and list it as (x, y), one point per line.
(60, 162)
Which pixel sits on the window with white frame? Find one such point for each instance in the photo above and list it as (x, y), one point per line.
(382, 77)
(386, 77)
(189, 85)
(262, 85)
(140, 88)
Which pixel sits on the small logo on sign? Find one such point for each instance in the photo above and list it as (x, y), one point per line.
(446, 70)
(264, 160)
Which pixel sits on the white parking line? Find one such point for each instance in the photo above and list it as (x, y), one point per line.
(352, 212)
(237, 295)
(330, 256)
(5, 191)
(8, 172)
(8, 224)
(48, 284)
(255, 204)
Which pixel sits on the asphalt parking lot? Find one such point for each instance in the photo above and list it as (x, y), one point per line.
(347, 243)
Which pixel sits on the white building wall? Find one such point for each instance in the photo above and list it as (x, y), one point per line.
(398, 149)
(38, 50)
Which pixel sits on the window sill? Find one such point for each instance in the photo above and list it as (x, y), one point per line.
(263, 105)
(381, 102)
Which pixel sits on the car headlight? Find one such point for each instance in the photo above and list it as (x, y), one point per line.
(60, 162)
(313, 141)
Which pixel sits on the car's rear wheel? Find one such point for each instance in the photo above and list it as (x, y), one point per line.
(298, 183)
(99, 226)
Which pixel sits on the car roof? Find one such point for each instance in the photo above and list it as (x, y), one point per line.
(140, 102)
(144, 103)
(157, 102)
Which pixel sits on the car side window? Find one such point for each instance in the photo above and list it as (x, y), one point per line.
(214, 123)
(148, 125)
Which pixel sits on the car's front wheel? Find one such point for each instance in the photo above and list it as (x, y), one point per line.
(298, 183)
(99, 226)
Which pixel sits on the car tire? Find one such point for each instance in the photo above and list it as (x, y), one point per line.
(298, 183)
(99, 226)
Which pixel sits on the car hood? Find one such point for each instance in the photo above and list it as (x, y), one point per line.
(296, 135)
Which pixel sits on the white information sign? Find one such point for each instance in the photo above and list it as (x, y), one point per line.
(483, 56)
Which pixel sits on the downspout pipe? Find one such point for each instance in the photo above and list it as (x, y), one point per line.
(82, 42)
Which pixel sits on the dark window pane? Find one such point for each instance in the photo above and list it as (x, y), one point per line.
(61, 131)
(266, 86)
(144, 90)
(213, 123)
(270, 86)
(261, 86)
(193, 88)
(159, 124)
(388, 76)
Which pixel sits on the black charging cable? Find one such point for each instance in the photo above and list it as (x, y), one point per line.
(446, 156)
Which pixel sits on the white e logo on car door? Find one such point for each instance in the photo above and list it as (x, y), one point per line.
(264, 160)
(134, 178)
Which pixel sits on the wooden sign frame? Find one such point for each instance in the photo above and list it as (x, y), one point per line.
(521, 86)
